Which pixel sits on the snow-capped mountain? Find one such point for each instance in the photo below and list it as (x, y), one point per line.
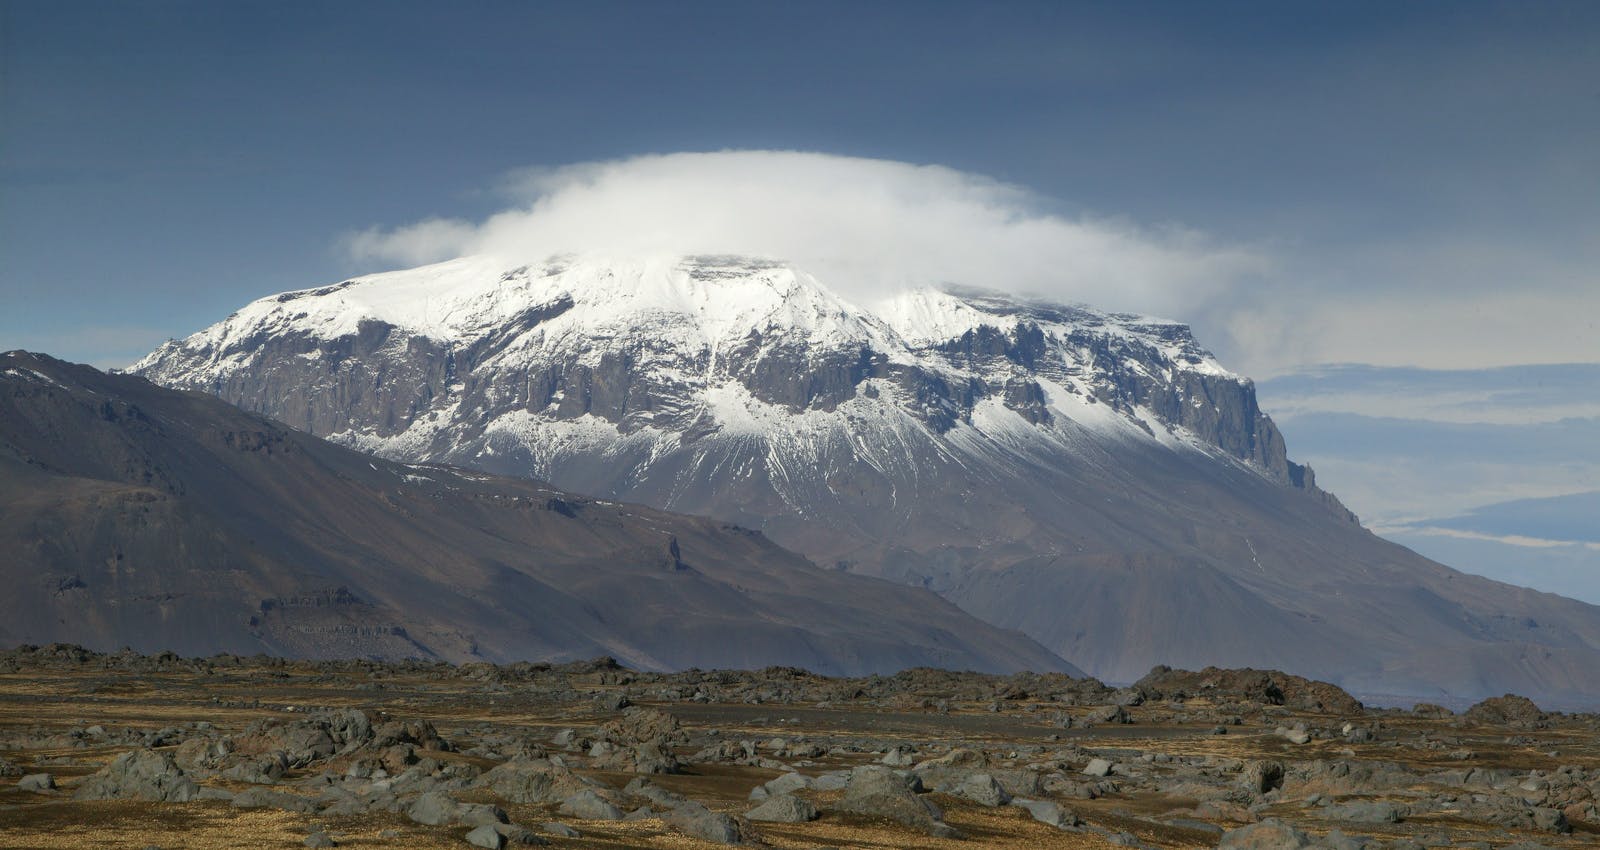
(1097, 480)
(468, 361)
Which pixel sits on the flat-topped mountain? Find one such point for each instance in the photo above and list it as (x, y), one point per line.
(131, 514)
(1096, 480)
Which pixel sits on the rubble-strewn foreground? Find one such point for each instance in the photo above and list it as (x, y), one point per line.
(137, 751)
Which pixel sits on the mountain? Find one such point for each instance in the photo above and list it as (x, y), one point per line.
(1095, 480)
(136, 515)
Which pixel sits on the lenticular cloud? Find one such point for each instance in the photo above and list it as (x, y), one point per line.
(864, 225)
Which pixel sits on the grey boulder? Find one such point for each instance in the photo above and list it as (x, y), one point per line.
(1263, 776)
(700, 822)
(588, 805)
(37, 783)
(880, 792)
(1266, 835)
(784, 808)
(787, 784)
(140, 775)
(515, 834)
(1048, 812)
(1097, 767)
(532, 781)
(486, 836)
(434, 809)
(981, 788)
(1109, 714)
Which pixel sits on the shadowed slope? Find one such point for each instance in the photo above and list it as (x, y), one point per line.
(160, 519)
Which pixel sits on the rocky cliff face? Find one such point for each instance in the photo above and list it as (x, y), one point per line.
(437, 362)
(1096, 480)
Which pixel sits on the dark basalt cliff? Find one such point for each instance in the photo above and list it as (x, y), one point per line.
(381, 379)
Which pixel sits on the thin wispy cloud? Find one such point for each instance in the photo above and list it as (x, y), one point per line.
(1517, 395)
(1507, 539)
(1431, 324)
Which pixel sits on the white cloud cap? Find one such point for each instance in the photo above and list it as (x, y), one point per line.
(865, 225)
(869, 226)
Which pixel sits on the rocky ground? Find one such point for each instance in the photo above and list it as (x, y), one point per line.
(160, 751)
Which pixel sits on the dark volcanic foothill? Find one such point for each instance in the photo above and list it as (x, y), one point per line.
(133, 515)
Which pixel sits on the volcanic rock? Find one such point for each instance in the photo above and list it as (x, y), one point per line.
(140, 775)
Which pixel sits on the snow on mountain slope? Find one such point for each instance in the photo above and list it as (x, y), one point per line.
(679, 349)
(1096, 480)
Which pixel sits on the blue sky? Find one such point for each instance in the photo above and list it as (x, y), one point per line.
(1417, 180)
(1494, 471)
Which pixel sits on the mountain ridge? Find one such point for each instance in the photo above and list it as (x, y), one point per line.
(727, 305)
(1094, 479)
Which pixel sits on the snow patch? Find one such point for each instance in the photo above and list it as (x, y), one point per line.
(32, 375)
